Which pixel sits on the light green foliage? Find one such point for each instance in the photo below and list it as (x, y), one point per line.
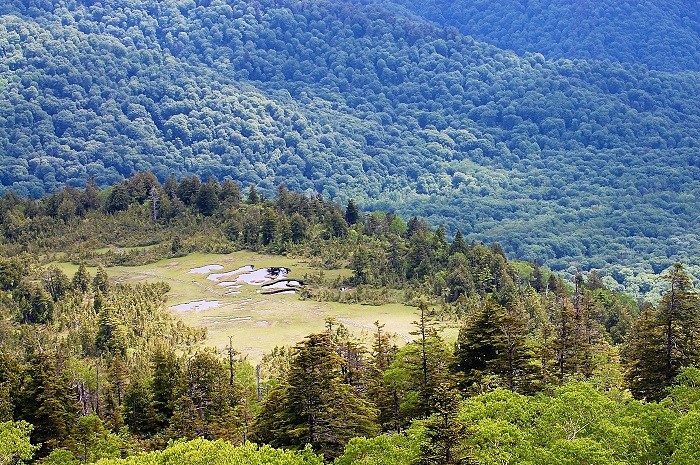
(91, 441)
(203, 452)
(15, 448)
(388, 449)
(684, 394)
(574, 425)
(497, 425)
(577, 424)
(686, 435)
(575, 452)
(60, 457)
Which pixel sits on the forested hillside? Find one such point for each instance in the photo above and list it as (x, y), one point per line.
(579, 164)
(663, 35)
(541, 370)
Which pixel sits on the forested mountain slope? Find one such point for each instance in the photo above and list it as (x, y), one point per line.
(663, 35)
(573, 162)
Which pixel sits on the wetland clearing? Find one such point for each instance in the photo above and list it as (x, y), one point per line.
(252, 298)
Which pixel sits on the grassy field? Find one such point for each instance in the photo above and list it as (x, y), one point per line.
(256, 322)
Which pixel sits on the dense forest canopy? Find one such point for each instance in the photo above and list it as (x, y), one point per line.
(577, 163)
(662, 35)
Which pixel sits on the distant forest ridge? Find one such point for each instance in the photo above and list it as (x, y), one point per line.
(663, 35)
(580, 164)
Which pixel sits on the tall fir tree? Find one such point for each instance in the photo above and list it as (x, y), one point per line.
(495, 343)
(313, 405)
(459, 245)
(47, 402)
(665, 339)
(81, 279)
(444, 433)
(352, 212)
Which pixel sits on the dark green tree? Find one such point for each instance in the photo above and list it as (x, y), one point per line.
(230, 194)
(352, 212)
(494, 343)
(34, 303)
(115, 388)
(166, 376)
(444, 433)
(118, 199)
(188, 190)
(537, 279)
(644, 357)
(253, 196)
(664, 339)
(48, 402)
(81, 279)
(430, 359)
(459, 245)
(268, 227)
(56, 282)
(207, 198)
(111, 334)
(313, 405)
(298, 226)
(11, 272)
(139, 413)
(100, 282)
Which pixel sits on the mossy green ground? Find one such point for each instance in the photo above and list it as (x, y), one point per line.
(256, 322)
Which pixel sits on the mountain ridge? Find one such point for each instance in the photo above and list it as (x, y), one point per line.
(661, 35)
(577, 163)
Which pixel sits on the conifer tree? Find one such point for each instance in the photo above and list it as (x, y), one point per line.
(56, 282)
(118, 199)
(47, 402)
(444, 433)
(90, 197)
(81, 279)
(537, 279)
(459, 278)
(459, 245)
(268, 227)
(166, 375)
(313, 405)
(361, 266)
(117, 382)
(424, 363)
(207, 198)
(565, 342)
(100, 282)
(34, 303)
(495, 343)
(230, 194)
(188, 189)
(298, 226)
(644, 357)
(139, 414)
(440, 247)
(384, 395)
(382, 348)
(253, 196)
(352, 213)
(111, 334)
(665, 339)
